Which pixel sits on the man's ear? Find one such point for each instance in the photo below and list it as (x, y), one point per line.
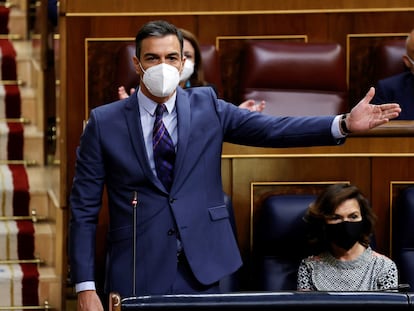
(138, 69)
(406, 61)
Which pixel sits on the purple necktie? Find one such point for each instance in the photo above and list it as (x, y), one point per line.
(164, 153)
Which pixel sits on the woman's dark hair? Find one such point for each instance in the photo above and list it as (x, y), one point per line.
(197, 78)
(158, 28)
(326, 204)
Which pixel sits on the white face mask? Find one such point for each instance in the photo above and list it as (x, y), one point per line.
(188, 70)
(161, 80)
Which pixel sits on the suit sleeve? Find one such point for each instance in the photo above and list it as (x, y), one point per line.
(85, 203)
(260, 130)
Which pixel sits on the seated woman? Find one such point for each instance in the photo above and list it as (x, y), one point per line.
(192, 73)
(341, 225)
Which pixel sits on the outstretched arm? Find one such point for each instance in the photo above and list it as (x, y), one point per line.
(365, 116)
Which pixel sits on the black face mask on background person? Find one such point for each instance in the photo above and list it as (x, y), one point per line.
(344, 234)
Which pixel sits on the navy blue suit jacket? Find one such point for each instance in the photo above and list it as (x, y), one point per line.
(397, 89)
(112, 153)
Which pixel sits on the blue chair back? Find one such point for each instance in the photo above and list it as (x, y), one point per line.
(280, 241)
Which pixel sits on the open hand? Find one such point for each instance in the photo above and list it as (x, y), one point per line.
(365, 116)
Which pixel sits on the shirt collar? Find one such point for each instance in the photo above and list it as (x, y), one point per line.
(149, 105)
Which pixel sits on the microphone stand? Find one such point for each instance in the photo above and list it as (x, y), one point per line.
(134, 248)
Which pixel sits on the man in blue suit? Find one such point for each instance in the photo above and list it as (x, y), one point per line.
(181, 232)
(400, 88)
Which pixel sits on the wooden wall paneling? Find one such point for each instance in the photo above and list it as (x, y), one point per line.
(386, 171)
(261, 24)
(100, 70)
(74, 48)
(110, 6)
(383, 21)
(338, 26)
(128, 26)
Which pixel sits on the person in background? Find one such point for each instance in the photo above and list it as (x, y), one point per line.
(158, 154)
(341, 225)
(400, 88)
(192, 74)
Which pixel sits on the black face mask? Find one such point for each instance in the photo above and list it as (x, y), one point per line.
(344, 234)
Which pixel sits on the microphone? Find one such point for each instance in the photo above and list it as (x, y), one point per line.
(134, 199)
(134, 239)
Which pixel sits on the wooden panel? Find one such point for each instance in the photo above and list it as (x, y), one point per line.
(110, 6)
(385, 172)
(101, 71)
(360, 47)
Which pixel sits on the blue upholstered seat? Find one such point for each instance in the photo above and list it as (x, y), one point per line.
(280, 241)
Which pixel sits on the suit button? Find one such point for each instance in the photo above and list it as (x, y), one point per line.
(172, 201)
(171, 232)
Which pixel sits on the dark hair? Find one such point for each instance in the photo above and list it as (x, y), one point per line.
(326, 204)
(158, 28)
(197, 78)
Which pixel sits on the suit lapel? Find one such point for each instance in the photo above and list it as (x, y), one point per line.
(183, 123)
